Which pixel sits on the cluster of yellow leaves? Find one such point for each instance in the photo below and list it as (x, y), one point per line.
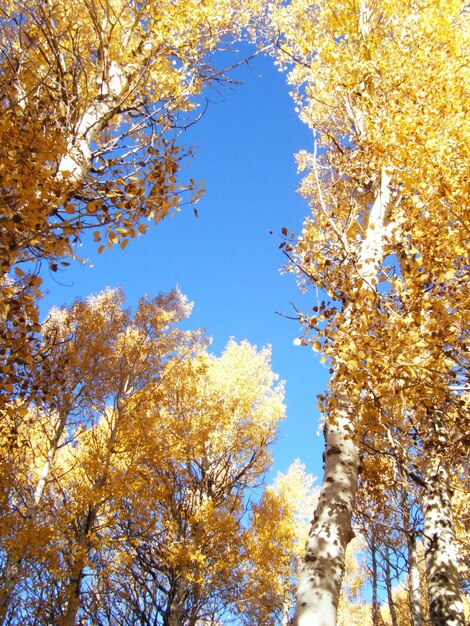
(140, 440)
(88, 356)
(92, 96)
(275, 545)
(383, 88)
(18, 331)
(89, 93)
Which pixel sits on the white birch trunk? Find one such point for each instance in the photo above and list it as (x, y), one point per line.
(321, 575)
(11, 575)
(322, 572)
(116, 83)
(46, 468)
(75, 164)
(443, 581)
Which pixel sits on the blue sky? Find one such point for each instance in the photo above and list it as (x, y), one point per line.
(226, 261)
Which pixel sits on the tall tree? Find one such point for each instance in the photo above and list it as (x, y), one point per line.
(383, 88)
(88, 93)
(94, 95)
(212, 424)
(98, 354)
(150, 498)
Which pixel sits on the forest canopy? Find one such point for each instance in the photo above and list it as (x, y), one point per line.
(133, 460)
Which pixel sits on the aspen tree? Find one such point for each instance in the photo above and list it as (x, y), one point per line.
(150, 510)
(93, 97)
(185, 437)
(383, 88)
(89, 92)
(96, 350)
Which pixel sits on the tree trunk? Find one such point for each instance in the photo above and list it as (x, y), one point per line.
(376, 615)
(73, 594)
(74, 586)
(388, 584)
(414, 590)
(175, 612)
(86, 531)
(11, 575)
(443, 580)
(414, 578)
(322, 572)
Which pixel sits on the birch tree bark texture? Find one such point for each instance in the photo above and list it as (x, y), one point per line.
(443, 579)
(321, 576)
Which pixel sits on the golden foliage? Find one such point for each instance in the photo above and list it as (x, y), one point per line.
(89, 93)
(383, 88)
(142, 451)
(93, 95)
(275, 542)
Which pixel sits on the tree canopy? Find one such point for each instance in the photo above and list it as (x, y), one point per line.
(133, 461)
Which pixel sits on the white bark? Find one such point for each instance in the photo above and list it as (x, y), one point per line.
(11, 575)
(414, 591)
(443, 580)
(76, 163)
(322, 572)
(46, 468)
(378, 233)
